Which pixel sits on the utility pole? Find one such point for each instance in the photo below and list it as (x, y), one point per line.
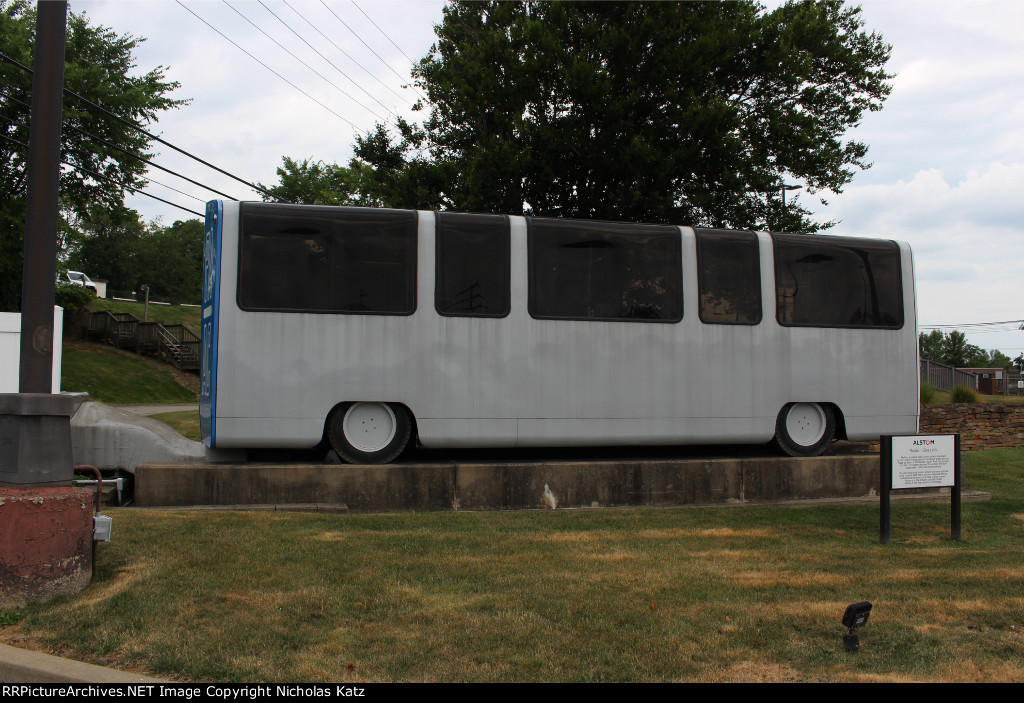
(43, 178)
(35, 444)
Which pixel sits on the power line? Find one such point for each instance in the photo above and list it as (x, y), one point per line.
(111, 144)
(974, 325)
(144, 160)
(400, 77)
(349, 57)
(290, 53)
(382, 32)
(136, 127)
(268, 68)
(99, 176)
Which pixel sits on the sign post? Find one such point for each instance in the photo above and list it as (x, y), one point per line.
(920, 461)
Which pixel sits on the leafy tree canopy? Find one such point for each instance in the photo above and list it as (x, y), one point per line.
(98, 64)
(691, 113)
(128, 253)
(953, 349)
(310, 182)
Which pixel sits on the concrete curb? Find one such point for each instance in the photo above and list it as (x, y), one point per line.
(25, 666)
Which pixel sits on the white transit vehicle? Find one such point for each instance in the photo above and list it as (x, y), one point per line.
(369, 329)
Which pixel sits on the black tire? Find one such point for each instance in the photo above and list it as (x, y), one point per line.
(369, 433)
(805, 429)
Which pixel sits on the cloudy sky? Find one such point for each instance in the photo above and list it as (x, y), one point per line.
(947, 148)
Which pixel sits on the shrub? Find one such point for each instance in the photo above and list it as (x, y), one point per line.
(963, 394)
(928, 393)
(74, 299)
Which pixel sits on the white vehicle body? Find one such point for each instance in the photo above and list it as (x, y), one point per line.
(77, 278)
(272, 379)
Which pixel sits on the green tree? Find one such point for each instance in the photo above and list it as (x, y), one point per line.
(956, 351)
(98, 65)
(310, 182)
(953, 349)
(998, 360)
(170, 262)
(930, 345)
(119, 247)
(693, 113)
(110, 247)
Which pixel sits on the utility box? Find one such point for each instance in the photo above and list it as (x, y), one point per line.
(35, 439)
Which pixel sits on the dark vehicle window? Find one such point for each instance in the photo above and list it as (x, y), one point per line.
(473, 258)
(584, 270)
(730, 277)
(327, 259)
(837, 282)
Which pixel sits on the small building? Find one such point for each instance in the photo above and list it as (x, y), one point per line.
(991, 381)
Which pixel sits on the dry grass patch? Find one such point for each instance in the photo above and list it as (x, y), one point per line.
(749, 594)
(123, 579)
(790, 578)
(752, 672)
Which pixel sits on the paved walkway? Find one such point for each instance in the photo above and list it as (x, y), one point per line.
(148, 410)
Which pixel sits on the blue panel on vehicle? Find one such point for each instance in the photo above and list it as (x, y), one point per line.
(211, 305)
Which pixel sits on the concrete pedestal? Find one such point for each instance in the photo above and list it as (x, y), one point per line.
(35, 439)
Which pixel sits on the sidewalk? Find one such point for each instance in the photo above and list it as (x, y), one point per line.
(26, 666)
(148, 410)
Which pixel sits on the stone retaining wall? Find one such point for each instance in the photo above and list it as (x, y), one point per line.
(980, 425)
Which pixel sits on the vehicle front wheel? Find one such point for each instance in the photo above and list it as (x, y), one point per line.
(369, 433)
(804, 429)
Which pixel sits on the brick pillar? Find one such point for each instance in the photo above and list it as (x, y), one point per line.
(45, 542)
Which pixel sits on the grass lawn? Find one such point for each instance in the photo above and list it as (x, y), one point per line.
(110, 375)
(185, 423)
(941, 397)
(751, 593)
(167, 314)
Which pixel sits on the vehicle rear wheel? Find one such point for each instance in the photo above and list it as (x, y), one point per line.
(804, 429)
(369, 433)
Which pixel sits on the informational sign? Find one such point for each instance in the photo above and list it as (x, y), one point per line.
(919, 461)
(923, 461)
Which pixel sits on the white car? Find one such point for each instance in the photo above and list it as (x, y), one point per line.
(77, 278)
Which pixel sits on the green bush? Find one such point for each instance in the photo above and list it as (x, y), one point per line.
(928, 393)
(74, 299)
(963, 394)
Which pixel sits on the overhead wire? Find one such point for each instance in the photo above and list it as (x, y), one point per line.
(142, 130)
(343, 119)
(400, 77)
(325, 58)
(292, 54)
(973, 325)
(108, 143)
(382, 32)
(100, 176)
(349, 57)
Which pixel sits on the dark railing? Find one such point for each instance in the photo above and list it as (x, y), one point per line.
(943, 377)
(176, 344)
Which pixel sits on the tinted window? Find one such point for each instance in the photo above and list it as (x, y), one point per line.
(730, 277)
(327, 259)
(837, 282)
(473, 253)
(604, 271)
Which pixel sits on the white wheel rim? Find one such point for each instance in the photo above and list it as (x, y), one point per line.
(369, 427)
(805, 423)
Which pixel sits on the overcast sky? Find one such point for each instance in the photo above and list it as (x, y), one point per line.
(947, 148)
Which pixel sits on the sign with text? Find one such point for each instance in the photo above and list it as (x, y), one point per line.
(923, 461)
(919, 461)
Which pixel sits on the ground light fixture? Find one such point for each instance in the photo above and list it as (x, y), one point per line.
(856, 615)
